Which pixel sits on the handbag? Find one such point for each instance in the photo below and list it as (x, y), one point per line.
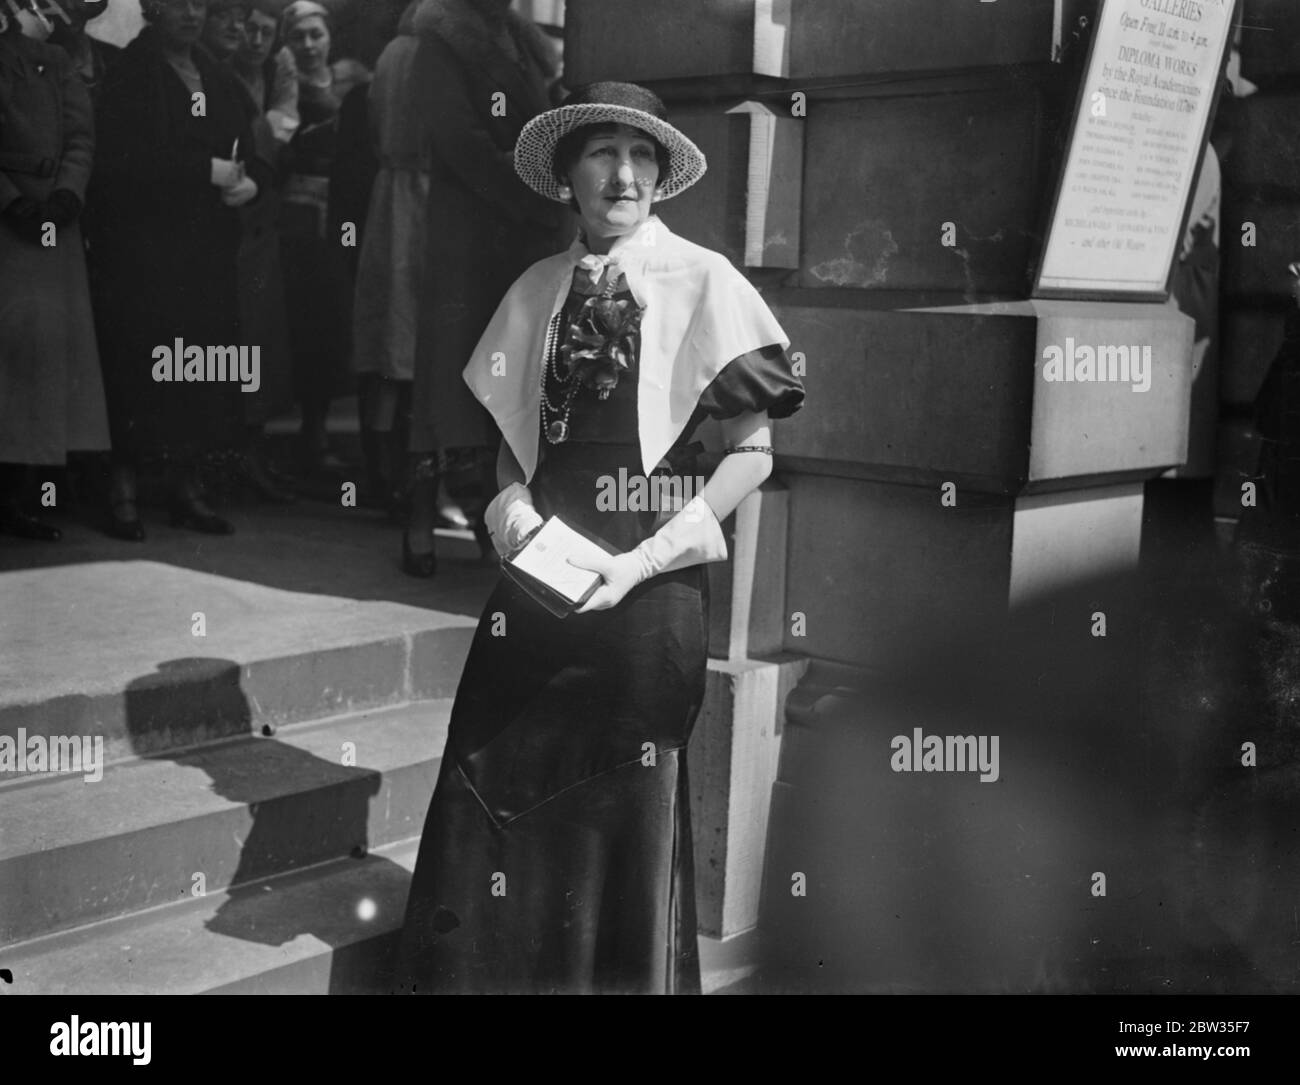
(539, 566)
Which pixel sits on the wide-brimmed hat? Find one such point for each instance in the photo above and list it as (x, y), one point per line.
(605, 103)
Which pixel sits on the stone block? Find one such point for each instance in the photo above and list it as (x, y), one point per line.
(884, 175)
(636, 42)
(855, 37)
(1062, 540)
(747, 593)
(733, 762)
(747, 205)
(898, 391)
(875, 569)
(1096, 428)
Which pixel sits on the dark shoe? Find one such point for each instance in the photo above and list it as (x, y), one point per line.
(198, 517)
(124, 522)
(421, 565)
(259, 478)
(22, 526)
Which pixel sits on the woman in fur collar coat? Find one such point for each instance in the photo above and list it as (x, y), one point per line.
(481, 73)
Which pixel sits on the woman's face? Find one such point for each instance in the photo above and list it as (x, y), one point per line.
(309, 40)
(259, 36)
(223, 32)
(613, 181)
(180, 22)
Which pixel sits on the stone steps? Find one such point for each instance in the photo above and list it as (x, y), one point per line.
(306, 932)
(137, 675)
(257, 783)
(219, 815)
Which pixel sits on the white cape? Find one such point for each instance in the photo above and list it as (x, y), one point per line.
(700, 313)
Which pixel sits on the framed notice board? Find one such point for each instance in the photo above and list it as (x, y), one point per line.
(1140, 129)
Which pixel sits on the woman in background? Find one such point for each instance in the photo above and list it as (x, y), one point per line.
(480, 73)
(169, 180)
(266, 67)
(261, 289)
(390, 280)
(318, 289)
(51, 394)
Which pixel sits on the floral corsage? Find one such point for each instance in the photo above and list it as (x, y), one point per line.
(601, 341)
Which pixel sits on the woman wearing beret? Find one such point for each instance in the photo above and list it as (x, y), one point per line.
(556, 855)
(175, 162)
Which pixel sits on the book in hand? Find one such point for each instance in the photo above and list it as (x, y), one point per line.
(541, 566)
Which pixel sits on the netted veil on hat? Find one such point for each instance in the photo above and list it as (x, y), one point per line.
(605, 103)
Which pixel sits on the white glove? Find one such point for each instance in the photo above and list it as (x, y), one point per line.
(692, 537)
(226, 172)
(510, 517)
(240, 193)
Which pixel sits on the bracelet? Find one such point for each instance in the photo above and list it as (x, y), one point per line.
(767, 450)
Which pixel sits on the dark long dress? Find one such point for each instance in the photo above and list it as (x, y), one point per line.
(556, 855)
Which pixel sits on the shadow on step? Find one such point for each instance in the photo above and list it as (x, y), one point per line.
(303, 810)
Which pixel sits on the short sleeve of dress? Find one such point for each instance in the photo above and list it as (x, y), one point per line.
(758, 380)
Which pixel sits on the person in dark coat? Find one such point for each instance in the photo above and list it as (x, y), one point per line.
(176, 161)
(318, 286)
(51, 395)
(91, 57)
(261, 290)
(390, 277)
(481, 73)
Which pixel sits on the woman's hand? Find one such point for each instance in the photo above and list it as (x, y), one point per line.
(621, 573)
(225, 172)
(510, 518)
(241, 192)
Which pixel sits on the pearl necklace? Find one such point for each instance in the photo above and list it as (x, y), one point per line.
(557, 424)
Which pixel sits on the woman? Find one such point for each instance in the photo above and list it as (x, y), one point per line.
(318, 290)
(390, 277)
(261, 289)
(175, 163)
(51, 395)
(91, 58)
(269, 73)
(480, 73)
(557, 851)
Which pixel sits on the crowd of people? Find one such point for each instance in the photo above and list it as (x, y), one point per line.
(330, 186)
